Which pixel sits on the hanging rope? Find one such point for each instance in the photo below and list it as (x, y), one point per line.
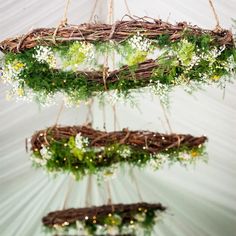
(115, 119)
(89, 116)
(127, 7)
(63, 22)
(88, 192)
(109, 200)
(215, 15)
(104, 116)
(59, 112)
(114, 116)
(166, 117)
(105, 73)
(136, 185)
(110, 12)
(67, 193)
(93, 11)
(64, 19)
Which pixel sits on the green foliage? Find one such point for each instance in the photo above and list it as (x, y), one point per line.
(192, 58)
(67, 157)
(185, 51)
(137, 57)
(124, 223)
(75, 56)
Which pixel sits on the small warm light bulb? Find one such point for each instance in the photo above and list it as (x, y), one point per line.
(86, 217)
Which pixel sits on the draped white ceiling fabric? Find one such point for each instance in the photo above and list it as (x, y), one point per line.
(201, 200)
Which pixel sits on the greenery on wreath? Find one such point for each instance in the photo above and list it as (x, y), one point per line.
(133, 222)
(44, 71)
(77, 157)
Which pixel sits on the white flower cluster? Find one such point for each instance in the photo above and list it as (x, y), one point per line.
(45, 153)
(88, 50)
(140, 217)
(230, 65)
(45, 54)
(212, 55)
(10, 73)
(194, 62)
(157, 160)
(81, 142)
(112, 230)
(45, 156)
(125, 152)
(138, 42)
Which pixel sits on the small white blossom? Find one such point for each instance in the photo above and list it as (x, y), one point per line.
(140, 217)
(81, 142)
(125, 152)
(87, 49)
(101, 230)
(112, 230)
(10, 73)
(45, 153)
(212, 55)
(157, 160)
(45, 54)
(138, 42)
(40, 161)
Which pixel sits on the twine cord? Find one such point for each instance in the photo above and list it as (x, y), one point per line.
(136, 184)
(93, 11)
(59, 112)
(127, 7)
(166, 117)
(215, 15)
(67, 194)
(89, 116)
(88, 192)
(63, 21)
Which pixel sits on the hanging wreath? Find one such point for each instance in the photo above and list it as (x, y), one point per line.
(124, 219)
(81, 150)
(154, 54)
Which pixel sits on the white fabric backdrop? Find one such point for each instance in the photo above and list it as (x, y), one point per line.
(200, 200)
